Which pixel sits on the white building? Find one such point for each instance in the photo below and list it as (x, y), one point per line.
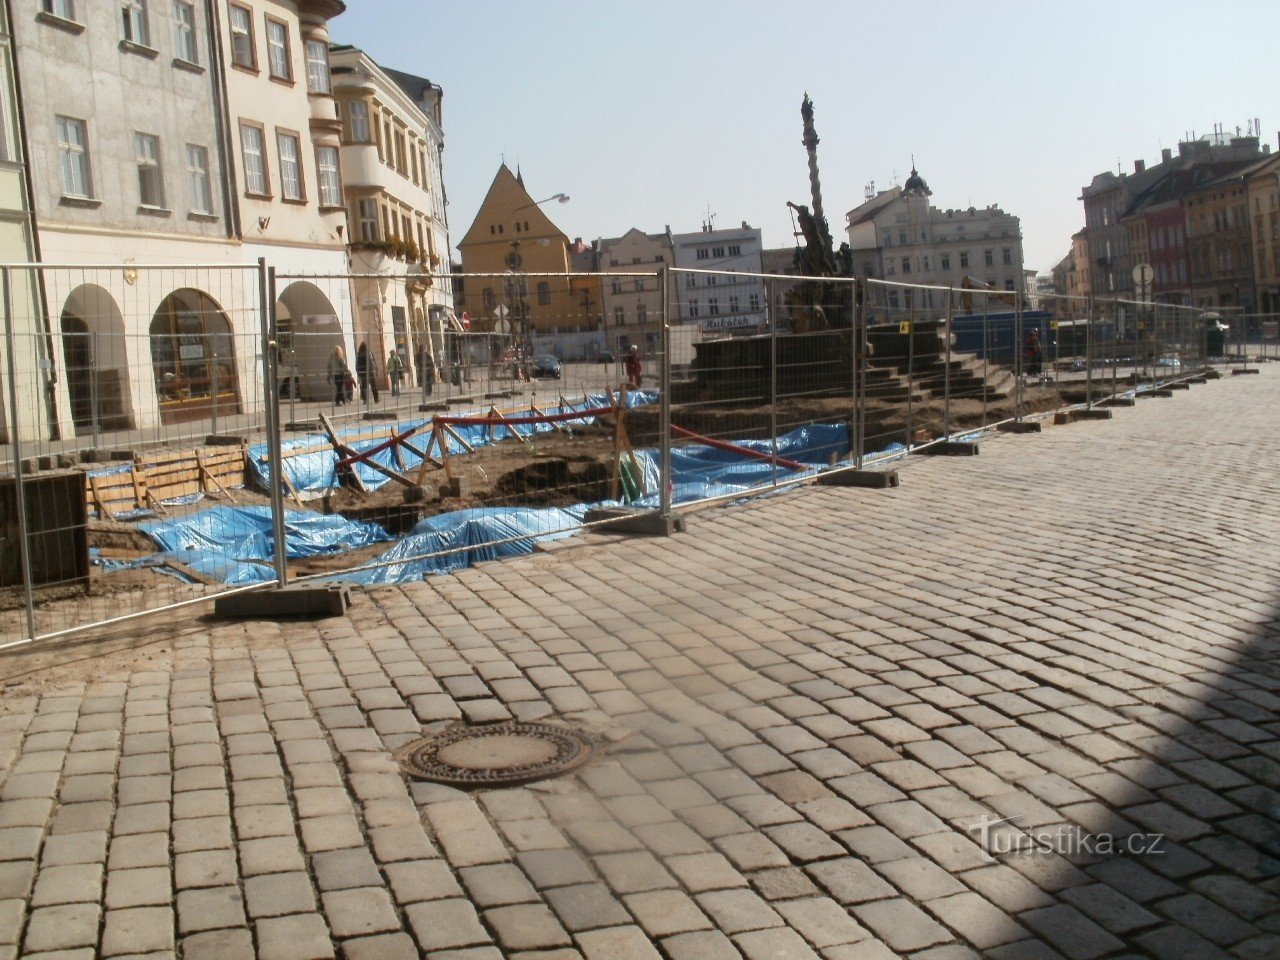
(712, 296)
(158, 136)
(392, 143)
(898, 236)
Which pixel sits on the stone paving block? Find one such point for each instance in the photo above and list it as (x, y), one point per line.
(416, 881)
(977, 920)
(210, 908)
(389, 946)
(143, 887)
(822, 922)
(617, 943)
(445, 924)
(1070, 931)
(321, 834)
(62, 927)
(701, 945)
(138, 850)
(526, 926)
(465, 834)
(633, 872)
(901, 924)
(360, 911)
(551, 868)
(278, 894)
(497, 885)
(138, 930)
(302, 936)
(734, 911)
(75, 883)
(777, 943)
(701, 872)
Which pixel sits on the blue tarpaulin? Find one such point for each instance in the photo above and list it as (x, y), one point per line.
(233, 544)
(313, 474)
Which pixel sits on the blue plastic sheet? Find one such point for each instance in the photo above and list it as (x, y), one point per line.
(313, 474)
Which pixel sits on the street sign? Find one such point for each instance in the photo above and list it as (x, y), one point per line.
(501, 310)
(1142, 277)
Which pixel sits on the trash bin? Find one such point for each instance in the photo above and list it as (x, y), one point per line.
(1215, 337)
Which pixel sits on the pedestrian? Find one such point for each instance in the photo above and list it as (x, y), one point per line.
(1033, 354)
(395, 370)
(366, 373)
(338, 374)
(635, 370)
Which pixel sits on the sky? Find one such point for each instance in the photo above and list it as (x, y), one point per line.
(658, 113)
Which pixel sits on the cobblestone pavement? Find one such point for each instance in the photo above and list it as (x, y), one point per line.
(810, 704)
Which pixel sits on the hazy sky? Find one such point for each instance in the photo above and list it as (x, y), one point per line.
(652, 113)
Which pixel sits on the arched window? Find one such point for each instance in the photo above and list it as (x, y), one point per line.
(193, 358)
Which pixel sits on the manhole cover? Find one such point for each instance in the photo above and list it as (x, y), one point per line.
(498, 753)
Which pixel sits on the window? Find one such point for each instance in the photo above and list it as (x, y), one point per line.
(327, 175)
(544, 293)
(704, 253)
(616, 287)
(893, 299)
(713, 306)
(367, 214)
(946, 261)
(691, 280)
(66, 9)
(906, 264)
(317, 53)
(733, 304)
(242, 47)
(639, 285)
(1006, 255)
(199, 186)
(146, 149)
(278, 50)
(1008, 284)
(73, 150)
(287, 144)
(620, 316)
(358, 121)
(735, 250)
(184, 32)
(902, 236)
(717, 252)
(253, 152)
(693, 308)
(134, 14)
(754, 302)
(964, 258)
(642, 313)
(988, 258)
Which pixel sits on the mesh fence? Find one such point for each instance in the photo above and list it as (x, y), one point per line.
(173, 433)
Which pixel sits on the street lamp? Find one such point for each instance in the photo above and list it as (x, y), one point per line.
(558, 197)
(520, 329)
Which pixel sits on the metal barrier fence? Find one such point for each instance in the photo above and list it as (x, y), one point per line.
(177, 433)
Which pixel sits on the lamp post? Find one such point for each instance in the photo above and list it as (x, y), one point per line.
(520, 321)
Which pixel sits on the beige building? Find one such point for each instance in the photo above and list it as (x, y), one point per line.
(286, 165)
(633, 305)
(1262, 184)
(516, 265)
(391, 168)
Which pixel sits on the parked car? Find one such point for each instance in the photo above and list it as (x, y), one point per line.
(546, 367)
(606, 356)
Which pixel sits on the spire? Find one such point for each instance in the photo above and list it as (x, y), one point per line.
(519, 176)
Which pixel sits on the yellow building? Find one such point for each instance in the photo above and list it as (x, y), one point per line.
(1262, 184)
(516, 266)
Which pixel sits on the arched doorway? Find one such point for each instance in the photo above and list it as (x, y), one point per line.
(307, 330)
(193, 358)
(96, 361)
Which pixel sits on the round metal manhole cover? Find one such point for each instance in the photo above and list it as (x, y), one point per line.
(498, 753)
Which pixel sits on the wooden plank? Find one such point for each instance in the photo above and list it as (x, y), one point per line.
(341, 448)
(99, 503)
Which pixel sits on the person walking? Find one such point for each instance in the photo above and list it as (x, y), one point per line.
(366, 372)
(395, 370)
(635, 369)
(338, 374)
(1033, 355)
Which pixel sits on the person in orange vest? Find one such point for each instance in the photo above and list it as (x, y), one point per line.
(634, 368)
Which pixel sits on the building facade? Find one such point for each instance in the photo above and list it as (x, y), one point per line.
(633, 306)
(1262, 191)
(711, 294)
(391, 165)
(201, 136)
(900, 237)
(517, 266)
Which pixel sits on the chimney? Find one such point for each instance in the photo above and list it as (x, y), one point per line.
(1166, 154)
(1139, 166)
